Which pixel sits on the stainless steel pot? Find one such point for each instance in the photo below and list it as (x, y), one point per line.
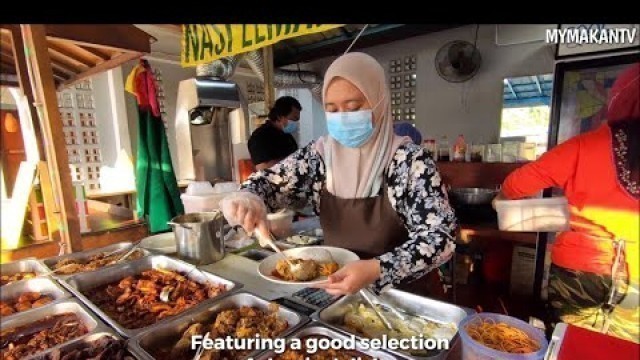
(472, 196)
(199, 237)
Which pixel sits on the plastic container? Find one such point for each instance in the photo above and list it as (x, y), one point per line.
(281, 223)
(226, 187)
(199, 188)
(472, 349)
(533, 215)
(201, 203)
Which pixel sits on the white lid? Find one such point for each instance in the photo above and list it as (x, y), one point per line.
(199, 188)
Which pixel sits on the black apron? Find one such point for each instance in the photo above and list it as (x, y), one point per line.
(369, 227)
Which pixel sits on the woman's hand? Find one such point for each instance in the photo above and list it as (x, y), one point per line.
(245, 209)
(352, 277)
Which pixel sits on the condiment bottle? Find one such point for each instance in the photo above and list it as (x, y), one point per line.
(459, 149)
(443, 149)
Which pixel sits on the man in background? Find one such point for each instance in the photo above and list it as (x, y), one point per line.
(273, 141)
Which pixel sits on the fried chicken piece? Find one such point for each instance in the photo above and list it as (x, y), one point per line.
(6, 309)
(183, 346)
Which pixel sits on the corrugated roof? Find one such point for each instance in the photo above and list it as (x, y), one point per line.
(528, 90)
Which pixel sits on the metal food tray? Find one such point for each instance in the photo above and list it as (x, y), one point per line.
(333, 315)
(80, 343)
(81, 282)
(24, 265)
(319, 329)
(170, 332)
(84, 256)
(93, 324)
(44, 286)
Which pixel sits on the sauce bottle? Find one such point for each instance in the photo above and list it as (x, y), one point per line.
(459, 149)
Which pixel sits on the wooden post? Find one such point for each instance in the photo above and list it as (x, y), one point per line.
(44, 91)
(22, 71)
(269, 90)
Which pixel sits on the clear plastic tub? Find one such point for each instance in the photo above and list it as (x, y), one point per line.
(473, 350)
(281, 223)
(538, 215)
(201, 203)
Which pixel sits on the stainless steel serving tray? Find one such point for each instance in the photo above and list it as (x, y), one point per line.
(170, 332)
(83, 256)
(24, 265)
(68, 306)
(79, 344)
(82, 282)
(42, 285)
(319, 329)
(333, 315)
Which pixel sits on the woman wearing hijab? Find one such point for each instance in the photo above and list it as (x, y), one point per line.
(376, 193)
(598, 172)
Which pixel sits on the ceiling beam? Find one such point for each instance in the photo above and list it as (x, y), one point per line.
(100, 53)
(69, 51)
(104, 66)
(508, 83)
(119, 37)
(66, 61)
(5, 58)
(535, 77)
(378, 35)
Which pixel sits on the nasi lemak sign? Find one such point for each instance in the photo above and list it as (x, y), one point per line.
(204, 43)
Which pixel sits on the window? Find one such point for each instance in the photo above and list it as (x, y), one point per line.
(526, 110)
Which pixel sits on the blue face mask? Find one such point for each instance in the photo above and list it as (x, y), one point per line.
(351, 129)
(291, 127)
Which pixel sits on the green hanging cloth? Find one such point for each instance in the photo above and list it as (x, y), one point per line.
(156, 185)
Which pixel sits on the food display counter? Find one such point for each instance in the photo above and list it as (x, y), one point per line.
(149, 307)
(106, 317)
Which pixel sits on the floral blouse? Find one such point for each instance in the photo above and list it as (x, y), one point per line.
(415, 191)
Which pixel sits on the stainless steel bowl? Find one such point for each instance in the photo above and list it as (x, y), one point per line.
(472, 196)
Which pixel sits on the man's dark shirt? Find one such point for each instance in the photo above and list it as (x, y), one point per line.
(269, 143)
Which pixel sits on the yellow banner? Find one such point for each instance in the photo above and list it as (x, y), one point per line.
(204, 43)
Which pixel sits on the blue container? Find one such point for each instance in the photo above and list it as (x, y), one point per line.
(472, 349)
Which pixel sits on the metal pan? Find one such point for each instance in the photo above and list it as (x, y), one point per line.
(318, 329)
(92, 323)
(333, 315)
(81, 283)
(169, 333)
(80, 343)
(43, 286)
(83, 256)
(24, 265)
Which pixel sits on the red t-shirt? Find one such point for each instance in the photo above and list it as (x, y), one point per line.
(601, 209)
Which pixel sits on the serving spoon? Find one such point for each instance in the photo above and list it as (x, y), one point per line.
(302, 271)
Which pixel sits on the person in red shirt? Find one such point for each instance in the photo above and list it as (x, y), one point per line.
(598, 172)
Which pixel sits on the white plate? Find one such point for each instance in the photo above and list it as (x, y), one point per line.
(164, 243)
(267, 265)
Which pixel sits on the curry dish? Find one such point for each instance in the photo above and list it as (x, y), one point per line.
(104, 348)
(70, 266)
(135, 301)
(20, 342)
(330, 354)
(241, 323)
(316, 269)
(8, 279)
(26, 301)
